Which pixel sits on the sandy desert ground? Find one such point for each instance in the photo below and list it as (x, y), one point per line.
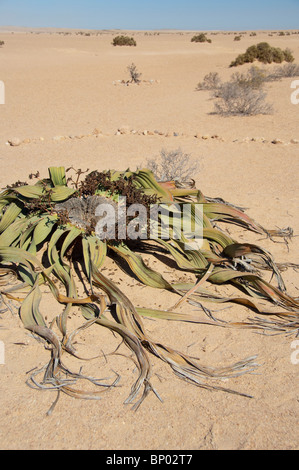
(64, 101)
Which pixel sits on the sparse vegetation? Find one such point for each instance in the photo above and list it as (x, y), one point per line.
(240, 98)
(173, 165)
(201, 37)
(134, 74)
(211, 81)
(264, 53)
(124, 41)
(2, 43)
(254, 78)
(284, 71)
(243, 94)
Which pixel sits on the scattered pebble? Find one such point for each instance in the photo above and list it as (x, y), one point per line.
(15, 142)
(126, 130)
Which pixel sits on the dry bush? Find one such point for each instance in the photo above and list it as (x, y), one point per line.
(240, 99)
(173, 165)
(243, 94)
(254, 78)
(211, 81)
(134, 74)
(284, 71)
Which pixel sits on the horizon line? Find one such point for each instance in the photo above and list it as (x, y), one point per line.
(10, 27)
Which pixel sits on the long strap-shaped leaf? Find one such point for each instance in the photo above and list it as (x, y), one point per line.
(29, 310)
(145, 274)
(182, 365)
(10, 215)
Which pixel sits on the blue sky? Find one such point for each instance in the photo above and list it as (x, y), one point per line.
(153, 14)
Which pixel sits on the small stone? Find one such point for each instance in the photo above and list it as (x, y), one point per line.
(57, 138)
(294, 141)
(96, 132)
(206, 137)
(124, 130)
(277, 141)
(145, 132)
(15, 142)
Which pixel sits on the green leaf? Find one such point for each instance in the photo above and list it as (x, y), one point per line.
(18, 255)
(13, 232)
(61, 193)
(44, 228)
(94, 252)
(74, 232)
(29, 311)
(31, 192)
(145, 274)
(57, 175)
(146, 180)
(10, 215)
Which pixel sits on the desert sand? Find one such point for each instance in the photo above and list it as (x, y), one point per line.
(65, 102)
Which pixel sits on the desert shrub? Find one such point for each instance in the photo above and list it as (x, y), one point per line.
(288, 56)
(2, 43)
(239, 97)
(237, 38)
(211, 81)
(124, 41)
(254, 78)
(201, 37)
(284, 71)
(134, 74)
(264, 53)
(173, 165)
